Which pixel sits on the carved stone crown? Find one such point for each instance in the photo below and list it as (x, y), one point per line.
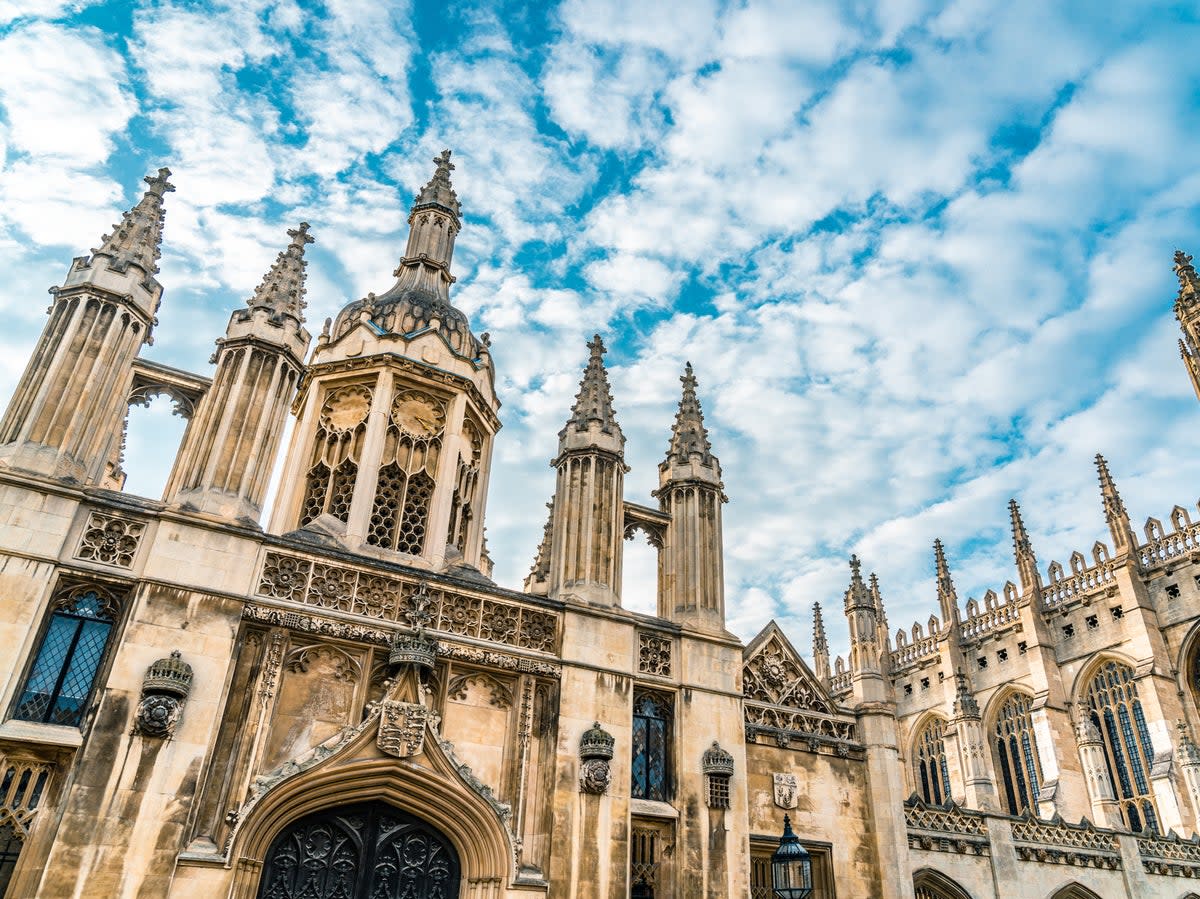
(172, 676)
(716, 761)
(596, 743)
(416, 648)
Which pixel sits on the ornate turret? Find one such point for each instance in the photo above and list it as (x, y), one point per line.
(588, 513)
(1119, 526)
(225, 461)
(65, 419)
(863, 617)
(692, 582)
(1187, 311)
(947, 595)
(820, 646)
(1031, 581)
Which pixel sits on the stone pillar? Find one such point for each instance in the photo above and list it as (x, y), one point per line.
(979, 790)
(1105, 811)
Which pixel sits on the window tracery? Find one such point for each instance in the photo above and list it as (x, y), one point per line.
(412, 448)
(1114, 708)
(929, 762)
(653, 714)
(337, 452)
(1016, 754)
(60, 681)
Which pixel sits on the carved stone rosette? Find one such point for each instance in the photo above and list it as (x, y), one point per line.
(595, 752)
(165, 689)
(401, 728)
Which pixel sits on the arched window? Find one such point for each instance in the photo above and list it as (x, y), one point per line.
(930, 884)
(1113, 706)
(411, 452)
(652, 716)
(336, 453)
(929, 762)
(1016, 755)
(60, 682)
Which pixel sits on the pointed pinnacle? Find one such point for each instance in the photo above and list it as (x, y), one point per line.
(136, 239)
(594, 400)
(1023, 549)
(439, 192)
(1189, 282)
(856, 594)
(947, 594)
(282, 289)
(820, 643)
(1108, 488)
(688, 434)
(877, 598)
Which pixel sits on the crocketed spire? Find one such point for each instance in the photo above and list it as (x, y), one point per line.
(594, 402)
(820, 642)
(136, 239)
(1023, 551)
(1114, 509)
(1187, 311)
(282, 289)
(688, 434)
(877, 598)
(947, 595)
(1189, 281)
(438, 191)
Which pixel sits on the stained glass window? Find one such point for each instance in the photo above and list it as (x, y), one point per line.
(933, 780)
(1114, 707)
(60, 682)
(652, 714)
(1016, 755)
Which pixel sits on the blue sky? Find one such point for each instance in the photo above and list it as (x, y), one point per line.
(919, 254)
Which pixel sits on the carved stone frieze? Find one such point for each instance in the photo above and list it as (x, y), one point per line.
(110, 540)
(344, 589)
(654, 654)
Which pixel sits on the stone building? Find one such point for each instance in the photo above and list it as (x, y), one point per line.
(342, 703)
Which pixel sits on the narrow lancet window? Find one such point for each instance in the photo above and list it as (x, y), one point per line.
(932, 778)
(1114, 707)
(1016, 755)
(652, 716)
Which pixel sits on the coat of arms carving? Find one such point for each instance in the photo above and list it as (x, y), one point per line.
(786, 790)
(401, 727)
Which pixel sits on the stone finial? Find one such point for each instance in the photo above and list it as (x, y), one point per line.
(688, 434)
(282, 289)
(1086, 731)
(539, 574)
(1189, 282)
(594, 402)
(1023, 551)
(857, 596)
(439, 192)
(137, 238)
(1114, 509)
(947, 594)
(965, 704)
(820, 642)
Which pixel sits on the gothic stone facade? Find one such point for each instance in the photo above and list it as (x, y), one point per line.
(344, 704)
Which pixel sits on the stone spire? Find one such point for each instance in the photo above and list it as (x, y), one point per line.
(1187, 311)
(947, 595)
(877, 598)
(434, 223)
(282, 289)
(593, 415)
(137, 238)
(1114, 510)
(438, 192)
(1031, 581)
(820, 645)
(688, 435)
(857, 595)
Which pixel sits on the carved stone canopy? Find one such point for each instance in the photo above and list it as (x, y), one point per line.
(171, 676)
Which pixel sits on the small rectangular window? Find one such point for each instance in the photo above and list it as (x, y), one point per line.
(718, 791)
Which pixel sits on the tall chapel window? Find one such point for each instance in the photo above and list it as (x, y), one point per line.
(462, 501)
(1016, 754)
(652, 716)
(60, 681)
(412, 448)
(337, 452)
(929, 763)
(1114, 707)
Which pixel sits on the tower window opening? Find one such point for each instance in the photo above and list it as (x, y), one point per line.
(1016, 754)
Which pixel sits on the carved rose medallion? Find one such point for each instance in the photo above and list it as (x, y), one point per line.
(157, 715)
(594, 776)
(786, 790)
(401, 727)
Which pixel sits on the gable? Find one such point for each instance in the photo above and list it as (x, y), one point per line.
(774, 673)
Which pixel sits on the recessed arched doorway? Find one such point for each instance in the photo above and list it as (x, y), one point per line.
(366, 851)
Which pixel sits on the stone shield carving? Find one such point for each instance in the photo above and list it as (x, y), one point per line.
(401, 727)
(786, 790)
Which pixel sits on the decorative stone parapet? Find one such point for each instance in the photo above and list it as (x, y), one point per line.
(358, 592)
(1170, 855)
(1056, 842)
(946, 828)
(110, 540)
(796, 729)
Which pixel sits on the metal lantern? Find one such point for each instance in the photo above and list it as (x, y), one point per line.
(791, 866)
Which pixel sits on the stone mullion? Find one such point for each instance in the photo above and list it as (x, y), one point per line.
(438, 520)
(266, 436)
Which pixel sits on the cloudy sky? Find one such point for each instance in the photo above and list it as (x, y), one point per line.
(919, 253)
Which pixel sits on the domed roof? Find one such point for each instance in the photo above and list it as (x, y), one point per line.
(407, 310)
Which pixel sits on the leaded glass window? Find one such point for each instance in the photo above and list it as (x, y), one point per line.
(1114, 707)
(652, 714)
(10, 851)
(336, 453)
(929, 763)
(60, 681)
(1016, 755)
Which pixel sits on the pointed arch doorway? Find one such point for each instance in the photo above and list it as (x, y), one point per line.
(369, 850)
